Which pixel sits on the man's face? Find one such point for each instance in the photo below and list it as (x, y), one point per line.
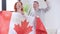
(35, 5)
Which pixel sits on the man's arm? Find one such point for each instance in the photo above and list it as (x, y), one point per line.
(48, 7)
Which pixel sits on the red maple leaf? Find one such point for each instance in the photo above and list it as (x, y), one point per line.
(24, 28)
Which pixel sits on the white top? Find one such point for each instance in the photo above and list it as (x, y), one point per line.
(16, 18)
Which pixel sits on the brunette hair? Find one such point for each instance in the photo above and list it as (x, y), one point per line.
(16, 8)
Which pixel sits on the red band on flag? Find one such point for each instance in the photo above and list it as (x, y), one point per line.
(40, 29)
(5, 17)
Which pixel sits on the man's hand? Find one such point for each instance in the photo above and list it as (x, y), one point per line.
(44, 0)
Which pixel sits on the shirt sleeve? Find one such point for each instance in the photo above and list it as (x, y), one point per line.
(46, 9)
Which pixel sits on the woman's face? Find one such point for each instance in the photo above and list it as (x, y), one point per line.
(19, 6)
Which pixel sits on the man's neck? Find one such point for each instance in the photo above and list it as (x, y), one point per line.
(36, 9)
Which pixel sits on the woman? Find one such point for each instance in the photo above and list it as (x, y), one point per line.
(23, 24)
(17, 18)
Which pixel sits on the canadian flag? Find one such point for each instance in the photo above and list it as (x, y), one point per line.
(5, 18)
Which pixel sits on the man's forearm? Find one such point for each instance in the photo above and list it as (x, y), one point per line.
(47, 8)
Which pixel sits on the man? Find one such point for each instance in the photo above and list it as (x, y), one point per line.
(39, 12)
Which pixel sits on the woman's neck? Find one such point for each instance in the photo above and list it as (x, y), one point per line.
(19, 11)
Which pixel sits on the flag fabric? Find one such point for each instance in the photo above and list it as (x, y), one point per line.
(23, 29)
(4, 22)
(40, 28)
(21, 25)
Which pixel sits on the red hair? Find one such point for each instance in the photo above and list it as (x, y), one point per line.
(16, 8)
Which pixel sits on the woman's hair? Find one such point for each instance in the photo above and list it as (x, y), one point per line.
(16, 8)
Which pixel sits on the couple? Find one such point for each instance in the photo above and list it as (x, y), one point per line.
(24, 24)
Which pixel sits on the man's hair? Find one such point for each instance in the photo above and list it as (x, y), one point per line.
(36, 2)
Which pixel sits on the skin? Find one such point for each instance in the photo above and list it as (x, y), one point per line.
(35, 6)
(19, 6)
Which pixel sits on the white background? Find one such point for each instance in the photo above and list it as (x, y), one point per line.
(52, 17)
(10, 5)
